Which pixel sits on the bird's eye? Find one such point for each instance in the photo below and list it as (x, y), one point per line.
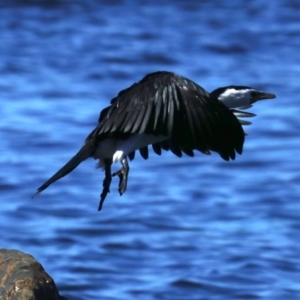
(254, 94)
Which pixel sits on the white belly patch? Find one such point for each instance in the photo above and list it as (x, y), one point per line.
(117, 149)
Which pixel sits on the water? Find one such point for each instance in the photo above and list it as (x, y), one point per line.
(189, 228)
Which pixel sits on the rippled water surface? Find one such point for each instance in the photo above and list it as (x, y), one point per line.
(189, 228)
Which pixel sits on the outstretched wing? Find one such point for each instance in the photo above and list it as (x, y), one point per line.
(164, 103)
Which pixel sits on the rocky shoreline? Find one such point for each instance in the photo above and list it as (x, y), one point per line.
(22, 277)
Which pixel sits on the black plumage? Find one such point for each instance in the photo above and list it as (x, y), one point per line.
(164, 103)
(178, 115)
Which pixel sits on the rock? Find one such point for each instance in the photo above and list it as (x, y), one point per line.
(23, 278)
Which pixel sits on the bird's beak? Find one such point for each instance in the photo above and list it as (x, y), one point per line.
(262, 96)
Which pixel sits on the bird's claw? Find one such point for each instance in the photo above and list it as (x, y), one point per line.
(102, 197)
(122, 174)
(106, 184)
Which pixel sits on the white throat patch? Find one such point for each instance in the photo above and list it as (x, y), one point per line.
(233, 98)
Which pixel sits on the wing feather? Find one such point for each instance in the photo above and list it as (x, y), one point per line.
(157, 103)
(144, 152)
(156, 148)
(131, 155)
(164, 103)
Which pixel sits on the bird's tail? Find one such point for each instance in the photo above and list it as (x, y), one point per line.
(79, 157)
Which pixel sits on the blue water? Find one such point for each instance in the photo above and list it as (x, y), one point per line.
(189, 228)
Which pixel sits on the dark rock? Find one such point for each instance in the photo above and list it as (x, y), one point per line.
(23, 278)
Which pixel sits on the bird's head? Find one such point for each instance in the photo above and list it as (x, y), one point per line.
(240, 97)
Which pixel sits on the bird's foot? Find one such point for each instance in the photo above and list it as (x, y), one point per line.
(123, 176)
(106, 183)
(105, 191)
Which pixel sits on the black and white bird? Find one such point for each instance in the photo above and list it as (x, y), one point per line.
(171, 113)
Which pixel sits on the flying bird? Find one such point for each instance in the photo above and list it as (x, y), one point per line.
(171, 113)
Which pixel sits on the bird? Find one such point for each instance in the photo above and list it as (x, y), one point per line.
(171, 113)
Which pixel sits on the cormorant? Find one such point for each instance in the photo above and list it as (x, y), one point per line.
(170, 112)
